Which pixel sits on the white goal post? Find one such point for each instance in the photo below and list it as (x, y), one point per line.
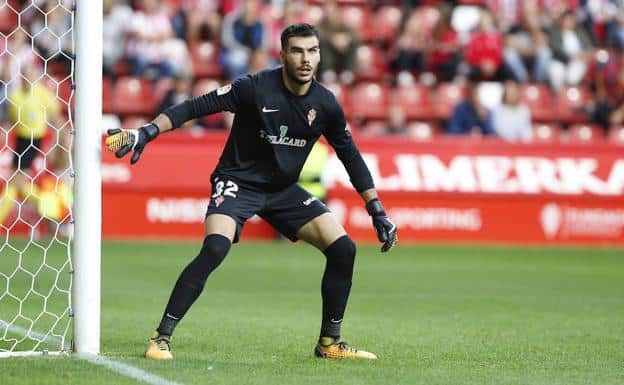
(50, 239)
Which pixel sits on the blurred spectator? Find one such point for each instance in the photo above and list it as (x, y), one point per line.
(570, 45)
(31, 109)
(310, 176)
(511, 120)
(339, 45)
(409, 50)
(609, 83)
(526, 49)
(445, 48)
(484, 52)
(51, 32)
(615, 30)
(19, 54)
(290, 14)
(202, 19)
(508, 13)
(117, 15)
(243, 33)
(470, 116)
(608, 79)
(397, 120)
(152, 43)
(181, 90)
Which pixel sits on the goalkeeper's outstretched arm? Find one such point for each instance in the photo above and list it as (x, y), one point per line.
(230, 97)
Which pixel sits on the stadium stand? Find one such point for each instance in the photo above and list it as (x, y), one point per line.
(571, 114)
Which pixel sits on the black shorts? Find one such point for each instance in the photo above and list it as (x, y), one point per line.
(26, 150)
(286, 210)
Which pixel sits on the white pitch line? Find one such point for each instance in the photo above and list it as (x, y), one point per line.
(115, 366)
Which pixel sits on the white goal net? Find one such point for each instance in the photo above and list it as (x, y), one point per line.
(36, 175)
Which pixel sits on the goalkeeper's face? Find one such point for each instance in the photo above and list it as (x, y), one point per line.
(301, 58)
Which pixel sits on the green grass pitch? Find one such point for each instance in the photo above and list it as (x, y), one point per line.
(434, 315)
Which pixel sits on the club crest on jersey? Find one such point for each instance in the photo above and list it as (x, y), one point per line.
(311, 116)
(282, 139)
(224, 90)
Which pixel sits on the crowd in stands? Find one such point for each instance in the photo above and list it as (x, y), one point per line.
(523, 70)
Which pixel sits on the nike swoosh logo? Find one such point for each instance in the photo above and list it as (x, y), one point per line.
(335, 321)
(172, 317)
(264, 109)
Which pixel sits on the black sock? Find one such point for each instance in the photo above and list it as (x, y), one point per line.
(192, 280)
(336, 284)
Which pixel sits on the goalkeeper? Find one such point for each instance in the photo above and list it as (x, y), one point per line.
(279, 115)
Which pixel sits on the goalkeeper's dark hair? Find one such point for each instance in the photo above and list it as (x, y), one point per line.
(298, 30)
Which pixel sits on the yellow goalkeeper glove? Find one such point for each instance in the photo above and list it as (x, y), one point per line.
(121, 141)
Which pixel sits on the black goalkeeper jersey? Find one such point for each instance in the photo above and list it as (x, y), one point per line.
(274, 130)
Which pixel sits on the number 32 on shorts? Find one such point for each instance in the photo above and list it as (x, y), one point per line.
(225, 188)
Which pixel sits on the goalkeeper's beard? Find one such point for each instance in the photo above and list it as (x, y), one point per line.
(292, 75)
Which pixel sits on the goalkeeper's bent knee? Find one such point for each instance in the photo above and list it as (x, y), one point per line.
(341, 255)
(212, 253)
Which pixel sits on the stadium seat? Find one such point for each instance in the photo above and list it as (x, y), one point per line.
(447, 96)
(546, 133)
(358, 19)
(8, 17)
(203, 87)
(539, 100)
(422, 131)
(374, 128)
(584, 133)
(163, 85)
(414, 100)
(369, 101)
(616, 135)
(371, 63)
(465, 18)
(571, 102)
(490, 94)
(341, 93)
(387, 21)
(313, 15)
(205, 59)
(134, 121)
(107, 97)
(133, 96)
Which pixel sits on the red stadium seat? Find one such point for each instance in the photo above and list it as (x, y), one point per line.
(584, 133)
(570, 104)
(422, 131)
(107, 97)
(369, 101)
(373, 129)
(447, 96)
(414, 100)
(205, 59)
(8, 17)
(341, 93)
(371, 63)
(546, 133)
(616, 135)
(133, 96)
(203, 87)
(358, 19)
(386, 22)
(134, 121)
(313, 15)
(539, 100)
(163, 85)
